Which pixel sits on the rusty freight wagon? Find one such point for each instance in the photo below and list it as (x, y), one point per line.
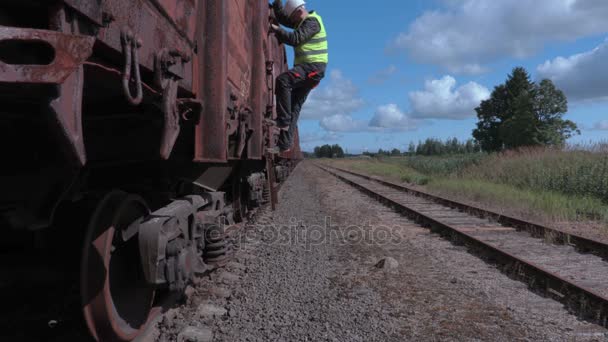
(131, 132)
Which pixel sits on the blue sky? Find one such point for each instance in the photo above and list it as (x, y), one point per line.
(404, 71)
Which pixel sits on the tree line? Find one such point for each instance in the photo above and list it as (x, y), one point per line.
(519, 113)
(432, 147)
(428, 147)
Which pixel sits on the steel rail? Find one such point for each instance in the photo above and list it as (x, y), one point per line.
(586, 303)
(582, 244)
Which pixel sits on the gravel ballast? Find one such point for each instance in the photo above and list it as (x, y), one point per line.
(333, 265)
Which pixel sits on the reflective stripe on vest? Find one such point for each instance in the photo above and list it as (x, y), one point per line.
(316, 49)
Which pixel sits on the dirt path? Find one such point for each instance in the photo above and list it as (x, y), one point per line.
(309, 272)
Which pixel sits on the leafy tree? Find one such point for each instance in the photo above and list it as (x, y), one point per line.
(395, 152)
(411, 148)
(318, 152)
(522, 113)
(337, 152)
(551, 104)
(469, 146)
(491, 113)
(327, 151)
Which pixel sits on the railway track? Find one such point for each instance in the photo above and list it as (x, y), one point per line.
(568, 268)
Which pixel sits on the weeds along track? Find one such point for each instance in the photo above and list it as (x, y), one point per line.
(565, 267)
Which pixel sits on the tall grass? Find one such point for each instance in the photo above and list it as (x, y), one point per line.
(567, 184)
(441, 165)
(383, 169)
(552, 205)
(575, 172)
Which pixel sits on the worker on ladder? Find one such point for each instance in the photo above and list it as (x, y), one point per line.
(309, 40)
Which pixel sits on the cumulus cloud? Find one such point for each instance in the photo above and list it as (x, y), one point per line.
(383, 75)
(339, 97)
(342, 123)
(391, 117)
(601, 126)
(467, 34)
(582, 76)
(440, 99)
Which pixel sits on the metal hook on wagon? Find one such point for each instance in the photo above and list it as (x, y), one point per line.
(130, 46)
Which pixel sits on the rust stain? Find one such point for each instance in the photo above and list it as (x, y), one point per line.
(71, 51)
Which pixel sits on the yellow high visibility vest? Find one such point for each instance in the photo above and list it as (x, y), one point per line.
(315, 50)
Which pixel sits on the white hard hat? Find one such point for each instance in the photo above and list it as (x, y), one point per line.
(292, 5)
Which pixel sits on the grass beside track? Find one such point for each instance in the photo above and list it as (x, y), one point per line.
(544, 184)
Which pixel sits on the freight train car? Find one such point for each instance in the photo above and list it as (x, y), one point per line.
(131, 132)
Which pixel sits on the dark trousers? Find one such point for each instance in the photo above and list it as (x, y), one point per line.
(292, 89)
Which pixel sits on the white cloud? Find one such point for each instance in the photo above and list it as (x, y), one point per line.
(468, 34)
(583, 76)
(601, 126)
(441, 99)
(339, 97)
(391, 117)
(342, 123)
(383, 75)
(309, 138)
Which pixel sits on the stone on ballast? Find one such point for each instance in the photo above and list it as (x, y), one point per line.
(208, 310)
(387, 264)
(193, 334)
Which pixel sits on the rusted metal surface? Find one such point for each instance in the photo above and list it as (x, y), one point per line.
(117, 303)
(258, 78)
(148, 21)
(70, 52)
(67, 107)
(68, 115)
(272, 188)
(586, 302)
(180, 63)
(237, 49)
(211, 131)
(89, 8)
(130, 48)
(170, 242)
(182, 13)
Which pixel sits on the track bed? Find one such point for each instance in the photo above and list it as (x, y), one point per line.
(580, 280)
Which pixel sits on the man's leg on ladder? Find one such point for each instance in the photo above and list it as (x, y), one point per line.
(298, 99)
(286, 84)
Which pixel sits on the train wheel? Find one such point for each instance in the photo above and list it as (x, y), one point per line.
(117, 302)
